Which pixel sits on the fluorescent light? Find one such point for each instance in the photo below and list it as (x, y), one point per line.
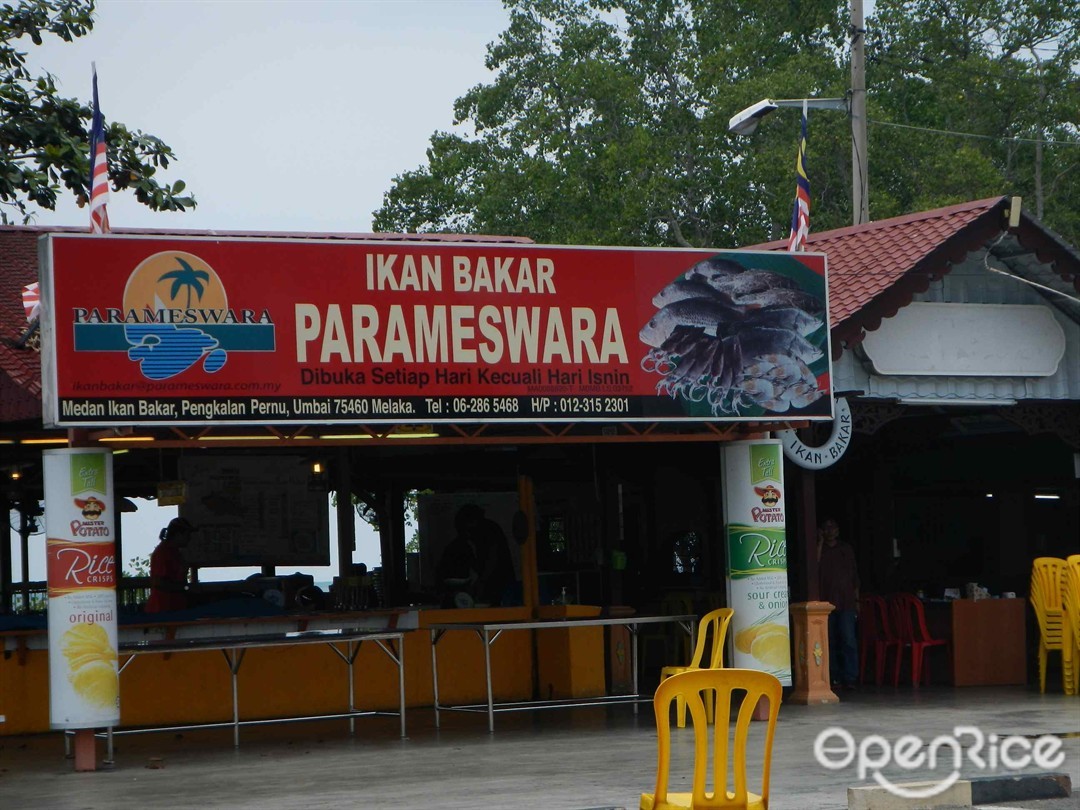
(989, 494)
(412, 436)
(265, 438)
(43, 441)
(127, 439)
(1047, 496)
(345, 436)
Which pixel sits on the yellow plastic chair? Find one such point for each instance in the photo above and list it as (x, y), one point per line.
(1072, 612)
(712, 628)
(727, 766)
(1048, 578)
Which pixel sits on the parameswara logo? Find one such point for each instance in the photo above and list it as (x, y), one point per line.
(175, 314)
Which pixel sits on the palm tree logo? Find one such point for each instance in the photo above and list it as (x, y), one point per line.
(187, 277)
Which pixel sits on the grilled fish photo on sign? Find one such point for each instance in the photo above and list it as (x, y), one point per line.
(735, 338)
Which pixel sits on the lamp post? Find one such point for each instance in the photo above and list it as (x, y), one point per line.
(746, 121)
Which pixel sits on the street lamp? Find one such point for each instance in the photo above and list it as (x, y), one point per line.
(746, 121)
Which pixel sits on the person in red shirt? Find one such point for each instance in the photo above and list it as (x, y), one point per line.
(169, 570)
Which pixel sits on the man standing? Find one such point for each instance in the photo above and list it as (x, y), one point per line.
(838, 578)
(168, 569)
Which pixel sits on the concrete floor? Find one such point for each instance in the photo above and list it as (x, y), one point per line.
(569, 758)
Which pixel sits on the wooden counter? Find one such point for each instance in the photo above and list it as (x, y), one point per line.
(989, 642)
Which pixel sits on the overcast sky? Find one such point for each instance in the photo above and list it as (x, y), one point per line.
(285, 115)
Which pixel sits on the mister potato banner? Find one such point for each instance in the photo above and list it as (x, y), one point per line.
(147, 330)
(84, 679)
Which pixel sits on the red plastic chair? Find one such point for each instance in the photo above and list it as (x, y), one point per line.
(910, 620)
(876, 633)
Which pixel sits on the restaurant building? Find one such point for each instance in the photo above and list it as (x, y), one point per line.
(955, 346)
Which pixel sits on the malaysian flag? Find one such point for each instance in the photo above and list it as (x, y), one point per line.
(99, 170)
(31, 299)
(800, 216)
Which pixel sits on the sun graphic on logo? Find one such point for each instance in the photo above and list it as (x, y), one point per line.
(174, 280)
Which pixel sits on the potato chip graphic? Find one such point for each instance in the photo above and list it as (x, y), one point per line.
(96, 683)
(744, 639)
(91, 663)
(86, 642)
(772, 649)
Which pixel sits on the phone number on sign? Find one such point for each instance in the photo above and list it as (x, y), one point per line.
(613, 405)
(484, 405)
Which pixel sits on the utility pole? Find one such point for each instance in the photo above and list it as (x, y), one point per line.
(860, 194)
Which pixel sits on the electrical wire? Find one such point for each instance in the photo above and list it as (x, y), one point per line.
(972, 134)
(1007, 274)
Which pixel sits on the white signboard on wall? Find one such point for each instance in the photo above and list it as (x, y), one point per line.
(964, 340)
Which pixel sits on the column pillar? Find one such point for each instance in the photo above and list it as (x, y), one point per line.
(811, 665)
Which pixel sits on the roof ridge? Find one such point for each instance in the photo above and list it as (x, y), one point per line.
(890, 222)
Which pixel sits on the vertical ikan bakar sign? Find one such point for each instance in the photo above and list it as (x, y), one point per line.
(84, 684)
(141, 330)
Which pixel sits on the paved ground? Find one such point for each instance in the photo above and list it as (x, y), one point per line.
(571, 759)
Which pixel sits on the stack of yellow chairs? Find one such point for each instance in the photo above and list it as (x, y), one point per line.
(711, 629)
(1048, 584)
(1072, 613)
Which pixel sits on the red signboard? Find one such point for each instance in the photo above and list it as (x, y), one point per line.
(147, 330)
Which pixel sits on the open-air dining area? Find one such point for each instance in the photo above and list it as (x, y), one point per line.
(594, 757)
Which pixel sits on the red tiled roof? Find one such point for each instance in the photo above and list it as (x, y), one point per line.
(875, 269)
(20, 368)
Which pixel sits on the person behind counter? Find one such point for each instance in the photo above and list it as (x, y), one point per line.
(168, 569)
(477, 562)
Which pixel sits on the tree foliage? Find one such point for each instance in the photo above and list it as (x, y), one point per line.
(1004, 72)
(44, 138)
(606, 120)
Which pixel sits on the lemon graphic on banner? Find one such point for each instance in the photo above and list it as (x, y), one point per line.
(745, 638)
(771, 648)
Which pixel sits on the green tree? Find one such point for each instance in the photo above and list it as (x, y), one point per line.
(607, 123)
(138, 567)
(44, 138)
(606, 120)
(1002, 71)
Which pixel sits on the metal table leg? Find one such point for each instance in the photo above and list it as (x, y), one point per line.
(435, 635)
(487, 671)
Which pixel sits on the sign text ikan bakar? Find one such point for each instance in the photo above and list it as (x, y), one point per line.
(147, 330)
